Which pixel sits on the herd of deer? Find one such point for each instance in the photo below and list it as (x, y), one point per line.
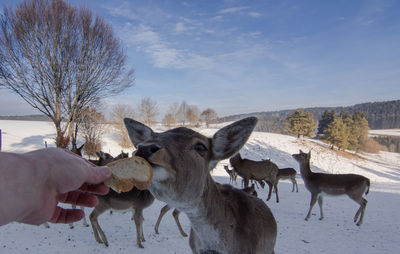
(223, 219)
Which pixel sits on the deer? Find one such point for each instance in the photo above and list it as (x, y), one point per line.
(135, 200)
(320, 184)
(288, 173)
(260, 171)
(232, 174)
(223, 219)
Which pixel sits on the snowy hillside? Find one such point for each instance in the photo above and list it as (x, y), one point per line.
(335, 234)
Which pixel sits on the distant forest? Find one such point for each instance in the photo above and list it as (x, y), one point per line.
(380, 115)
(26, 118)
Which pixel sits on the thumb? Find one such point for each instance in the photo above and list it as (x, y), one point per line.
(98, 174)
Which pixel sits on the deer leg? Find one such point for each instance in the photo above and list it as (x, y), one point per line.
(71, 225)
(138, 218)
(363, 205)
(320, 201)
(176, 213)
(312, 203)
(246, 182)
(295, 183)
(270, 190)
(84, 219)
(163, 211)
(96, 227)
(276, 192)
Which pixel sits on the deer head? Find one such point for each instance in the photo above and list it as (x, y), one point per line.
(182, 158)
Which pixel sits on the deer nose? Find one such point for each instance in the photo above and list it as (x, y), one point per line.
(145, 151)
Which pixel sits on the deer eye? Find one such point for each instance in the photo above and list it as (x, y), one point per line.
(200, 148)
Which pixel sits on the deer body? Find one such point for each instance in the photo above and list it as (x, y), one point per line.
(320, 184)
(223, 219)
(288, 173)
(257, 170)
(232, 174)
(135, 199)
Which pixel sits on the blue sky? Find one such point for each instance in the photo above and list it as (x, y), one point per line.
(248, 56)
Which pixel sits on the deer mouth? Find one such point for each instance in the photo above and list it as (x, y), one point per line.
(160, 161)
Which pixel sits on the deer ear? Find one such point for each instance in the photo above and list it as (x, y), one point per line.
(230, 139)
(137, 131)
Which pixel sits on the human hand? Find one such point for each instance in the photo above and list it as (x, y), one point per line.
(40, 180)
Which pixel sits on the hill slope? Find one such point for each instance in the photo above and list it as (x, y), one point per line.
(378, 234)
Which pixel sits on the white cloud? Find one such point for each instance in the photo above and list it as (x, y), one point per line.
(233, 9)
(160, 53)
(254, 14)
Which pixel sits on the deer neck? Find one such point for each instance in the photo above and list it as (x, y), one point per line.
(305, 169)
(206, 215)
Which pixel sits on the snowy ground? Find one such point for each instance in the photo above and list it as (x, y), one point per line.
(335, 234)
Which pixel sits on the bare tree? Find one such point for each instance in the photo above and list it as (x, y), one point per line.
(92, 128)
(60, 59)
(148, 110)
(117, 115)
(181, 113)
(169, 120)
(192, 115)
(208, 116)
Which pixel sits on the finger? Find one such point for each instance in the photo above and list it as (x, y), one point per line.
(96, 175)
(62, 215)
(78, 198)
(99, 189)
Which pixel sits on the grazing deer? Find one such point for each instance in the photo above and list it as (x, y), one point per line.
(288, 173)
(320, 184)
(232, 174)
(223, 219)
(260, 171)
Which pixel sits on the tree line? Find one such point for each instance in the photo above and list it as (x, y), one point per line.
(380, 115)
(343, 130)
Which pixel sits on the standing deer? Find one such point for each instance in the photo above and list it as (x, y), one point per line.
(320, 184)
(288, 173)
(260, 171)
(232, 174)
(135, 200)
(223, 219)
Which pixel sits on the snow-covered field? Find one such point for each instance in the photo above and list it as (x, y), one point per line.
(335, 234)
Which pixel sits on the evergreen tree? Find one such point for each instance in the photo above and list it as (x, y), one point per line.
(337, 133)
(300, 123)
(326, 118)
(359, 130)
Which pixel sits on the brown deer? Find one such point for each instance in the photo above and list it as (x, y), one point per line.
(320, 184)
(260, 171)
(135, 200)
(223, 219)
(288, 173)
(232, 174)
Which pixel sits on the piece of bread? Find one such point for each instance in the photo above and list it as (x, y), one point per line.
(129, 172)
